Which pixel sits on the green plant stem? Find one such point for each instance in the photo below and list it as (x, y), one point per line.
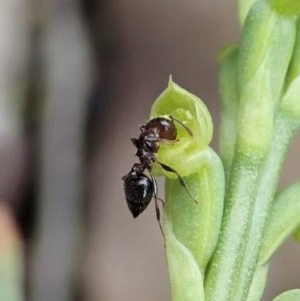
(263, 61)
(224, 272)
(286, 125)
(284, 130)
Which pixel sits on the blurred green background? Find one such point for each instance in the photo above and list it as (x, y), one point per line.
(76, 80)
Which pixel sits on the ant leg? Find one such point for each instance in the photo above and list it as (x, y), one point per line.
(181, 181)
(182, 124)
(158, 219)
(162, 201)
(157, 211)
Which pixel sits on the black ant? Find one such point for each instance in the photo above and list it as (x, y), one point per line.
(139, 188)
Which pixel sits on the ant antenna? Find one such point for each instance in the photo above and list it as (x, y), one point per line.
(182, 124)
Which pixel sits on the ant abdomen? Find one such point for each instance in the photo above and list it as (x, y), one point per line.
(138, 191)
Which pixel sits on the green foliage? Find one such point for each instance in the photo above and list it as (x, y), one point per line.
(194, 228)
(223, 244)
(286, 7)
(292, 295)
(284, 219)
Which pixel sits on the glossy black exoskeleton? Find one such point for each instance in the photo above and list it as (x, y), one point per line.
(138, 187)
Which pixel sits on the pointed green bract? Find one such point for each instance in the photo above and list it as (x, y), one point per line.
(185, 276)
(283, 221)
(258, 283)
(184, 155)
(292, 295)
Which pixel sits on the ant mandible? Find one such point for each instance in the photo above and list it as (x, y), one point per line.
(138, 187)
